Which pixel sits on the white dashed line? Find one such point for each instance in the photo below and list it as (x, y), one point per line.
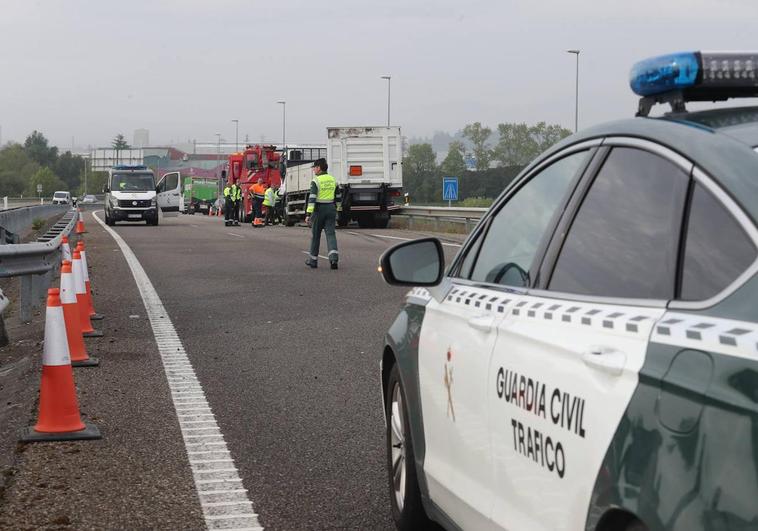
(320, 256)
(401, 239)
(233, 234)
(236, 511)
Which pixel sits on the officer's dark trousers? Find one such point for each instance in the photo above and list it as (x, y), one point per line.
(269, 215)
(324, 218)
(228, 209)
(257, 207)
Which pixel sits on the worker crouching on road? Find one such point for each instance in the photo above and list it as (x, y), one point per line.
(269, 201)
(232, 196)
(324, 202)
(258, 192)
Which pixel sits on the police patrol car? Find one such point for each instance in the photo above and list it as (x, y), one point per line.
(589, 360)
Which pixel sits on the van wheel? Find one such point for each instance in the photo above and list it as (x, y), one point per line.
(405, 497)
(109, 220)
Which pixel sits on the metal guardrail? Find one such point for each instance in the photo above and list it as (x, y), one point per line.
(35, 262)
(13, 222)
(468, 216)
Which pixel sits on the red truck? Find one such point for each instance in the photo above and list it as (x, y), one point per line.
(264, 161)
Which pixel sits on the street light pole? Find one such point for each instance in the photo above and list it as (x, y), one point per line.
(576, 108)
(284, 123)
(389, 82)
(218, 155)
(236, 135)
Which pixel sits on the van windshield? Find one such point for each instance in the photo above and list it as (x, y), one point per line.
(60, 195)
(132, 182)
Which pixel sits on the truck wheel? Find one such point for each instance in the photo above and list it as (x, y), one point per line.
(381, 221)
(366, 221)
(343, 220)
(289, 221)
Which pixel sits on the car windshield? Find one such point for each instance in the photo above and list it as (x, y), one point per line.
(60, 195)
(132, 182)
(89, 197)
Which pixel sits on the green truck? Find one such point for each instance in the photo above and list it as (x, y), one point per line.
(199, 194)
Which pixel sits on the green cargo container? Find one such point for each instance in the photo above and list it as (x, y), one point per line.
(199, 194)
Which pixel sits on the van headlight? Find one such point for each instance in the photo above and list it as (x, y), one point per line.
(153, 202)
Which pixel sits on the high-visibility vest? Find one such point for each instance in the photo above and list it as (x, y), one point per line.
(269, 198)
(235, 192)
(227, 191)
(323, 190)
(259, 191)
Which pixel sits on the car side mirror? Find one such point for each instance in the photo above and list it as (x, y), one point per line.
(415, 263)
(106, 190)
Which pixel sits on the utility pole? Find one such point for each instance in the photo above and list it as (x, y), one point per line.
(389, 82)
(284, 122)
(236, 135)
(576, 107)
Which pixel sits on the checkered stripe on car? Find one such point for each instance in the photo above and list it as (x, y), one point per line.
(627, 321)
(419, 296)
(481, 299)
(725, 336)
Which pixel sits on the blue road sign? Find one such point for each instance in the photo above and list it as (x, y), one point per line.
(450, 188)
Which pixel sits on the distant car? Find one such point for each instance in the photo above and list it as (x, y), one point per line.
(589, 360)
(62, 198)
(88, 199)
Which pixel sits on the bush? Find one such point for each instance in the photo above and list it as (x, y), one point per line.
(38, 223)
(477, 202)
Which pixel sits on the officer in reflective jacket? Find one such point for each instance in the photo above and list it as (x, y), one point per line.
(232, 196)
(324, 202)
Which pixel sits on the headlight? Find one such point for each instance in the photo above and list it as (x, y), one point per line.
(113, 201)
(153, 202)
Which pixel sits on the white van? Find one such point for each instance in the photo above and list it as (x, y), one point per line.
(62, 198)
(132, 195)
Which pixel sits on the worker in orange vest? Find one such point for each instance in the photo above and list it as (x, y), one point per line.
(258, 192)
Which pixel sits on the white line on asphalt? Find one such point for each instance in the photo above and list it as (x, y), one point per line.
(237, 235)
(324, 257)
(407, 239)
(171, 348)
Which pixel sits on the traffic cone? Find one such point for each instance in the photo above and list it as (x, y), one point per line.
(80, 223)
(81, 298)
(78, 351)
(58, 418)
(93, 315)
(65, 249)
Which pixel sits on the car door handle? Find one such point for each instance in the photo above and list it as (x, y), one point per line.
(606, 359)
(482, 322)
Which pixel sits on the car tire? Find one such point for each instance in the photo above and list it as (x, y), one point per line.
(405, 496)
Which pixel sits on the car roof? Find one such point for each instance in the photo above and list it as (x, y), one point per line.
(720, 142)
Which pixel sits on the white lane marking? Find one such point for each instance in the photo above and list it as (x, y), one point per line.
(320, 256)
(170, 347)
(409, 239)
(237, 235)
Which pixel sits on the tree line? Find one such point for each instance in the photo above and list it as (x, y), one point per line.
(496, 162)
(36, 162)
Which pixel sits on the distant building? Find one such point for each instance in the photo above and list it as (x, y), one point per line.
(141, 138)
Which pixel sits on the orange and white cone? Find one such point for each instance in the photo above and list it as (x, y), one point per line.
(77, 350)
(81, 298)
(65, 249)
(80, 223)
(93, 315)
(59, 418)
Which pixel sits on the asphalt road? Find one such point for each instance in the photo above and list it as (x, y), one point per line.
(288, 357)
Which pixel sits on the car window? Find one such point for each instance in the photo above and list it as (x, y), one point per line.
(515, 232)
(716, 250)
(624, 239)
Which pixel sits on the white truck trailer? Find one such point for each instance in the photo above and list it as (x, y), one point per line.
(367, 164)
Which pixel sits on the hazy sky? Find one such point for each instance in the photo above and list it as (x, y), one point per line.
(185, 68)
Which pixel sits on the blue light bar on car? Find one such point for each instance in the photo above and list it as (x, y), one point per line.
(699, 75)
(130, 167)
(665, 73)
